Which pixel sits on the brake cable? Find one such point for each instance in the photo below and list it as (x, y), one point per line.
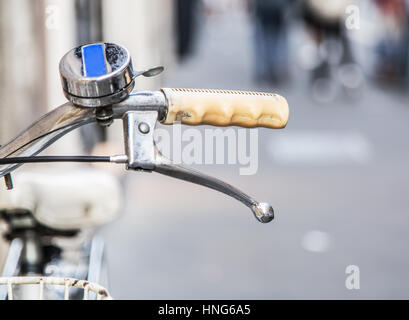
(42, 159)
(34, 159)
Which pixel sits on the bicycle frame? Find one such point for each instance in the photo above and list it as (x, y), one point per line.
(24, 251)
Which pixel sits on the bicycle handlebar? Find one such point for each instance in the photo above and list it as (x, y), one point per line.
(154, 106)
(140, 111)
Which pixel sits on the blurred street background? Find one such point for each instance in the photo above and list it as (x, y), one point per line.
(337, 175)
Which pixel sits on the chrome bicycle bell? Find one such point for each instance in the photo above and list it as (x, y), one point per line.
(99, 74)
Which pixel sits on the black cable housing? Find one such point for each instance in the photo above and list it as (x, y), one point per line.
(38, 159)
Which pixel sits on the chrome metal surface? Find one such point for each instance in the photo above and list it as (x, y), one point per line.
(142, 101)
(102, 87)
(32, 254)
(67, 117)
(140, 146)
(10, 268)
(96, 260)
(262, 211)
(102, 101)
(105, 116)
(44, 132)
(143, 127)
(143, 154)
(119, 158)
(150, 72)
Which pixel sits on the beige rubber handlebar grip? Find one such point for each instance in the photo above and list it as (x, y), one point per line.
(226, 108)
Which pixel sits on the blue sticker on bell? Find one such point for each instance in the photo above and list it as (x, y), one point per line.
(93, 60)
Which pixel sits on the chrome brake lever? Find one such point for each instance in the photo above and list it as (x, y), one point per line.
(143, 154)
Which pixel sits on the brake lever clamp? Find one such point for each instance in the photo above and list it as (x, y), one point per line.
(143, 154)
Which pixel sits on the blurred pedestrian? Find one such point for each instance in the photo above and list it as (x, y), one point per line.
(393, 45)
(335, 65)
(185, 23)
(271, 52)
(326, 23)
